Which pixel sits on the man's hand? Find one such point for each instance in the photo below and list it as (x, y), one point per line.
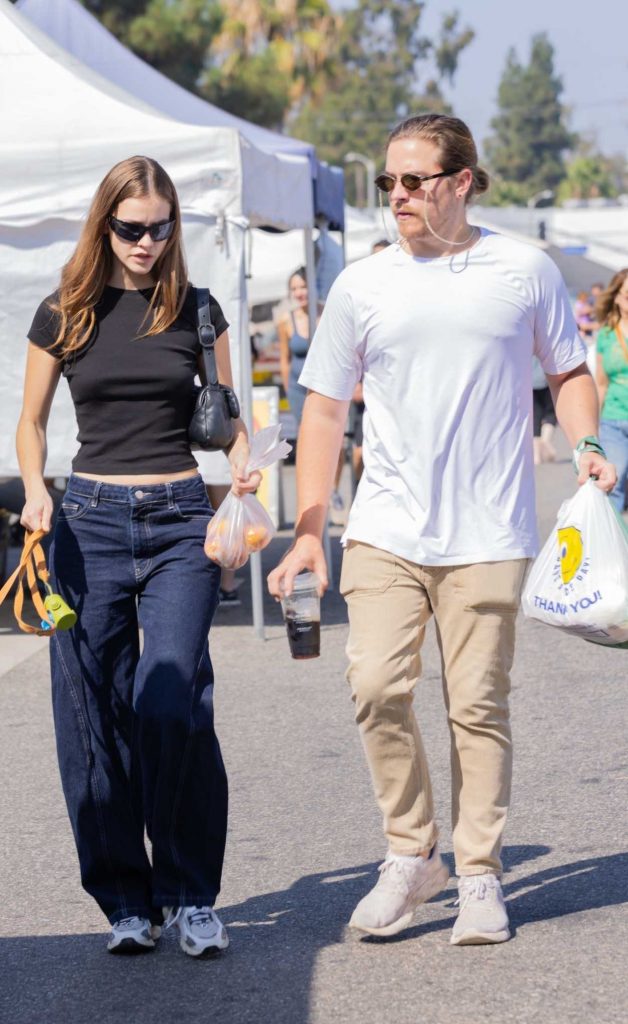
(305, 553)
(594, 464)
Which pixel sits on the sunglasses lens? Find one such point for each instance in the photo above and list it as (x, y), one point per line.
(127, 232)
(159, 232)
(385, 182)
(411, 181)
(133, 232)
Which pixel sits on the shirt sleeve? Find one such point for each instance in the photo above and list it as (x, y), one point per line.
(333, 365)
(44, 328)
(557, 342)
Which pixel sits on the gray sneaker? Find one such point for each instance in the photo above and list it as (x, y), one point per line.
(201, 933)
(133, 935)
(482, 917)
(403, 885)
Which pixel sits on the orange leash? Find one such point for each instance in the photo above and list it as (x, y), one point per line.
(32, 567)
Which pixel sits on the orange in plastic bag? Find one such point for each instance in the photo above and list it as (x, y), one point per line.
(242, 525)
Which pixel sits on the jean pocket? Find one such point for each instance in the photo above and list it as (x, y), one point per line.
(188, 509)
(74, 506)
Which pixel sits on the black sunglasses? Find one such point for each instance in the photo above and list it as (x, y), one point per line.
(411, 182)
(131, 231)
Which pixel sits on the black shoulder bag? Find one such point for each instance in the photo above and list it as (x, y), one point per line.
(211, 427)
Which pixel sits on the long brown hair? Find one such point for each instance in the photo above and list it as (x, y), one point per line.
(456, 147)
(606, 311)
(88, 270)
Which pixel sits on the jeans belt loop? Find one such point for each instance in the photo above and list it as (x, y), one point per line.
(170, 493)
(96, 494)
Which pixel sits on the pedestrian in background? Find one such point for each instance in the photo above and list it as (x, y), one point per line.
(293, 331)
(612, 378)
(443, 522)
(135, 729)
(544, 416)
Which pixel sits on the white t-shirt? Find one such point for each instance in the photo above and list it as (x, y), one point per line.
(444, 348)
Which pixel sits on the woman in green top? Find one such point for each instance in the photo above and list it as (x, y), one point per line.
(612, 378)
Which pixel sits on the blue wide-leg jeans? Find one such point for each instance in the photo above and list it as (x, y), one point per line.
(134, 722)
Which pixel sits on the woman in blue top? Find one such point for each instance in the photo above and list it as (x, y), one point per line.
(293, 331)
(612, 378)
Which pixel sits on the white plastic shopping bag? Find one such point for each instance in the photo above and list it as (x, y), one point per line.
(579, 582)
(242, 525)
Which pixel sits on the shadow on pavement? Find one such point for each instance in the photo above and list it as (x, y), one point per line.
(266, 975)
(553, 892)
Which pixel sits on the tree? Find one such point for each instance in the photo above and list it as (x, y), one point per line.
(269, 54)
(530, 136)
(173, 36)
(588, 177)
(375, 77)
(340, 80)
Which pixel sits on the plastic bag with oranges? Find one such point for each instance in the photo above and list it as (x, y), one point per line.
(242, 525)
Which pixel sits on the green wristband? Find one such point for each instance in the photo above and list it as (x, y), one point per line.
(587, 444)
(591, 443)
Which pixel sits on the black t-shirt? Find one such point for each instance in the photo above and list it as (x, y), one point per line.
(133, 396)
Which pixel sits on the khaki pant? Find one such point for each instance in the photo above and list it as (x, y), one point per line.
(390, 600)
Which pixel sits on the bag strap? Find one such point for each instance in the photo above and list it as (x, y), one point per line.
(206, 335)
(32, 565)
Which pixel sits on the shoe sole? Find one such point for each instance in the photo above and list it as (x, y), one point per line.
(430, 888)
(205, 954)
(472, 938)
(129, 947)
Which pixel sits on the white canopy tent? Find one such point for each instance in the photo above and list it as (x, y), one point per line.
(274, 257)
(71, 26)
(62, 126)
(79, 32)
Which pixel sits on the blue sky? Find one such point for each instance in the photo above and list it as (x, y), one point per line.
(591, 57)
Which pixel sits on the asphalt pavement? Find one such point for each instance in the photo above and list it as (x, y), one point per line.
(305, 839)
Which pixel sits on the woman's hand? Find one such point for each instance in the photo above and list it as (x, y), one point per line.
(243, 482)
(38, 509)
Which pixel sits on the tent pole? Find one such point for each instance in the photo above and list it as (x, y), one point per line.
(310, 272)
(246, 397)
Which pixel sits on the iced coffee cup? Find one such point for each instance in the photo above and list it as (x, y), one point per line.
(302, 613)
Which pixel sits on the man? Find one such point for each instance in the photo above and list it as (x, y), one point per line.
(442, 327)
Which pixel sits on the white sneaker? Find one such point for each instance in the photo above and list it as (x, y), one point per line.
(482, 916)
(201, 933)
(133, 935)
(404, 883)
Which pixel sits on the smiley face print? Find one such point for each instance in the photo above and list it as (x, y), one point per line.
(570, 551)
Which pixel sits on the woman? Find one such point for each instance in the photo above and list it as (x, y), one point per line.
(612, 378)
(293, 331)
(135, 737)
